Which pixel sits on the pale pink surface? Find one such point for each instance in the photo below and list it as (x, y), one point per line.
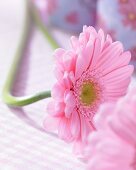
(24, 145)
(112, 147)
(94, 59)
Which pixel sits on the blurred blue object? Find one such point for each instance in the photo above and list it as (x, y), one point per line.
(69, 15)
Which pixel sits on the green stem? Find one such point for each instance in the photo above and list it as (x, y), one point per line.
(43, 28)
(8, 98)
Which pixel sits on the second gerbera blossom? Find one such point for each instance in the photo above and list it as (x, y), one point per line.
(113, 146)
(94, 71)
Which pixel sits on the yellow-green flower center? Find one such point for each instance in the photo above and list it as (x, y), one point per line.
(88, 93)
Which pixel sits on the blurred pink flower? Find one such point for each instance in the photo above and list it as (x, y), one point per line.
(94, 71)
(113, 146)
(128, 9)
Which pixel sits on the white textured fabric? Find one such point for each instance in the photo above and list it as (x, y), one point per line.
(23, 143)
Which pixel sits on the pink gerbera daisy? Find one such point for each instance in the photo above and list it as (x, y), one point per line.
(94, 71)
(113, 146)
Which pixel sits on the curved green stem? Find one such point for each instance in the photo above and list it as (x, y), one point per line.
(8, 98)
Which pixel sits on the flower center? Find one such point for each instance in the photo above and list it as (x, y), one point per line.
(123, 1)
(132, 16)
(88, 93)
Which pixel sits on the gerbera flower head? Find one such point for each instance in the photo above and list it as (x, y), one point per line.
(93, 71)
(113, 146)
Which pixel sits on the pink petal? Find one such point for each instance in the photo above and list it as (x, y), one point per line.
(116, 62)
(64, 130)
(107, 42)
(74, 42)
(85, 128)
(96, 53)
(67, 81)
(111, 53)
(84, 59)
(68, 58)
(88, 54)
(58, 91)
(82, 39)
(90, 33)
(58, 73)
(72, 77)
(92, 37)
(51, 107)
(131, 128)
(124, 124)
(100, 120)
(102, 37)
(84, 28)
(80, 66)
(70, 103)
(58, 54)
(78, 147)
(56, 108)
(101, 164)
(117, 88)
(125, 133)
(75, 124)
(59, 108)
(108, 38)
(119, 75)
